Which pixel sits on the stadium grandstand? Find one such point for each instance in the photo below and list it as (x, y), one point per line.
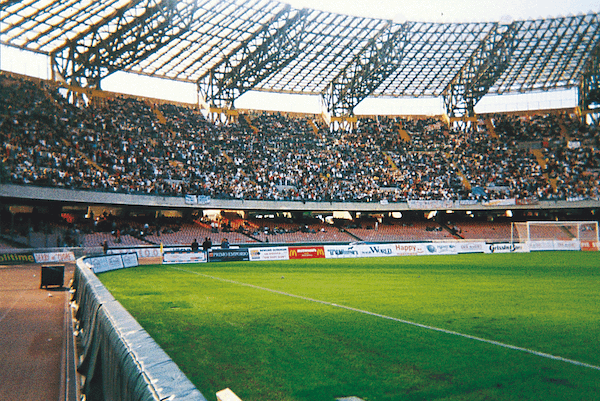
(84, 168)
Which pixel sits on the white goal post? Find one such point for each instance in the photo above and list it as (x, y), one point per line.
(549, 231)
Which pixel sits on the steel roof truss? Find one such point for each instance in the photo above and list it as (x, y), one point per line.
(132, 38)
(367, 71)
(480, 72)
(253, 60)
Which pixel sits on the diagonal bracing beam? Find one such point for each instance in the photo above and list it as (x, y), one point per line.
(589, 89)
(134, 35)
(480, 72)
(363, 75)
(255, 59)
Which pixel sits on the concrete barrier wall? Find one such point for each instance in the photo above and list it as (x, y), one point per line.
(118, 359)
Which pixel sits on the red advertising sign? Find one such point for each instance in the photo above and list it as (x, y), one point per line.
(589, 246)
(311, 252)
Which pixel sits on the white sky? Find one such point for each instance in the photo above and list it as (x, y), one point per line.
(397, 10)
(452, 10)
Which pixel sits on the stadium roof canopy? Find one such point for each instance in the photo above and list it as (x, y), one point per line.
(229, 47)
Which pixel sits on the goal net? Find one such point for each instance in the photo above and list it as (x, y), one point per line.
(555, 234)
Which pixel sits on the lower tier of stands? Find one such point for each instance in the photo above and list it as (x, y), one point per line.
(267, 232)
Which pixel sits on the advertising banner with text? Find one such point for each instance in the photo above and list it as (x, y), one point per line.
(141, 252)
(304, 252)
(100, 264)
(16, 258)
(590, 246)
(363, 250)
(441, 249)
(506, 248)
(170, 258)
(228, 255)
(54, 257)
(272, 253)
(471, 247)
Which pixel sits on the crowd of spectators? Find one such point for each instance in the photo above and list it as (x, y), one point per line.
(119, 144)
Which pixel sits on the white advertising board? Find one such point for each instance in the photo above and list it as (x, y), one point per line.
(555, 245)
(100, 264)
(184, 257)
(441, 249)
(54, 257)
(340, 251)
(410, 249)
(372, 250)
(377, 250)
(506, 248)
(541, 245)
(471, 247)
(141, 252)
(567, 245)
(269, 253)
(129, 260)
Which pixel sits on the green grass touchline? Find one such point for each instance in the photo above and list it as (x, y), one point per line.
(424, 326)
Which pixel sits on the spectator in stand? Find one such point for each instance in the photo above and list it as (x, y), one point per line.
(119, 145)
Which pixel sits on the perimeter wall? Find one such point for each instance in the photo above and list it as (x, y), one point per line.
(118, 359)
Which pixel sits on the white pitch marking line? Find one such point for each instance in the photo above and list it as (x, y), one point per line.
(424, 326)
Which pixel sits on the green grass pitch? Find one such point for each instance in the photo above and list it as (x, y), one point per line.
(257, 328)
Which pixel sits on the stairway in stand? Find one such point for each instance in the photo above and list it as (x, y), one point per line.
(539, 156)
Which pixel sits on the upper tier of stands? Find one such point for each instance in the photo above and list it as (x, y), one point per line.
(125, 144)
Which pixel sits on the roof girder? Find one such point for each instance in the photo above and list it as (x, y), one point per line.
(253, 60)
(480, 71)
(132, 39)
(589, 90)
(367, 70)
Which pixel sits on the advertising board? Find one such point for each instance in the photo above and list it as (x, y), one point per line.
(567, 245)
(228, 255)
(141, 252)
(541, 245)
(471, 247)
(177, 257)
(101, 264)
(506, 248)
(54, 257)
(360, 251)
(590, 246)
(410, 249)
(269, 253)
(130, 260)
(441, 249)
(340, 251)
(16, 258)
(304, 252)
